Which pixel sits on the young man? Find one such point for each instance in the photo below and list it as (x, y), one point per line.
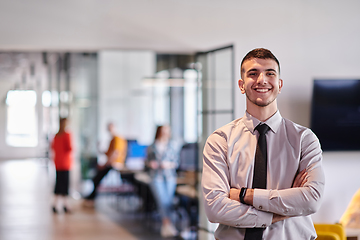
(294, 178)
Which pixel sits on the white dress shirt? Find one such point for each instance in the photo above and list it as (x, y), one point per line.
(228, 161)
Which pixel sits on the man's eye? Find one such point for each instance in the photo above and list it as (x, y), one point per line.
(270, 73)
(252, 74)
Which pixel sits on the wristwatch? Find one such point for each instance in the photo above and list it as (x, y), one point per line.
(242, 195)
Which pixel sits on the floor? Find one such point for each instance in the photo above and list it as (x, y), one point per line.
(25, 212)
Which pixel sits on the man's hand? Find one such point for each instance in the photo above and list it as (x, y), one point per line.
(277, 218)
(300, 179)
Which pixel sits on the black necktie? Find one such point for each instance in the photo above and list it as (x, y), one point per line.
(259, 178)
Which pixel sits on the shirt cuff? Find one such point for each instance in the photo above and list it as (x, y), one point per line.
(255, 219)
(264, 219)
(261, 199)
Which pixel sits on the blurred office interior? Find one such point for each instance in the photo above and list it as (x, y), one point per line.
(141, 64)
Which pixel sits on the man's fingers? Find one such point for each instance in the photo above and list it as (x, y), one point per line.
(304, 181)
(300, 179)
(277, 218)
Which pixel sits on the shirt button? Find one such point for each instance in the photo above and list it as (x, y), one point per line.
(286, 210)
(260, 207)
(264, 225)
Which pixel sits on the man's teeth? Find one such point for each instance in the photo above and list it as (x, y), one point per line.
(262, 90)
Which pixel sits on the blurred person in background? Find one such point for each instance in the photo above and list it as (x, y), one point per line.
(62, 148)
(162, 161)
(351, 217)
(116, 155)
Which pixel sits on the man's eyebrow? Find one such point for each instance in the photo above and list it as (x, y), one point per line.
(266, 70)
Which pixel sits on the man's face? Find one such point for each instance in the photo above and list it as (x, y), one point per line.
(260, 81)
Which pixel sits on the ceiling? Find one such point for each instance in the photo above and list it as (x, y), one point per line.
(86, 25)
(174, 26)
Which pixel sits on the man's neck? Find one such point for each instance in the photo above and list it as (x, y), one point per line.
(262, 113)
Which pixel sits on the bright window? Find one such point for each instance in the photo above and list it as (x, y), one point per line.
(21, 118)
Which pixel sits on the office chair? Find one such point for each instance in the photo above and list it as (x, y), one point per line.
(330, 231)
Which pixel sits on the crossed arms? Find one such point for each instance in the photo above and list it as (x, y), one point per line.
(263, 206)
(299, 181)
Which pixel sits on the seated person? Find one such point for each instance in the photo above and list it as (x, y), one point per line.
(116, 155)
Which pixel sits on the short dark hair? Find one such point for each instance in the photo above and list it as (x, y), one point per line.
(62, 119)
(158, 132)
(261, 53)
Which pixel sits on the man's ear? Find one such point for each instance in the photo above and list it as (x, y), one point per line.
(280, 85)
(241, 86)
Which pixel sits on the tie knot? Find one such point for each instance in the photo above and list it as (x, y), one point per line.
(262, 128)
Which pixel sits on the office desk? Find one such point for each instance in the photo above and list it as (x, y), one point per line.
(143, 177)
(187, 191)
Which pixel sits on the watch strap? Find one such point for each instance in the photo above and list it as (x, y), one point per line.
(242, 195)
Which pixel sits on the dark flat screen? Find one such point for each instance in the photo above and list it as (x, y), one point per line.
(335, 114)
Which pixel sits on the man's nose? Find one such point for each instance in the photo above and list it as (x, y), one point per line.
(262, 78)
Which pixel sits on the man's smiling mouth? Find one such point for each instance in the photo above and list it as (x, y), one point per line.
(262, 90)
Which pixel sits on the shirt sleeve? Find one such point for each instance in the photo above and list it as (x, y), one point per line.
(219, 208)
(299, 201)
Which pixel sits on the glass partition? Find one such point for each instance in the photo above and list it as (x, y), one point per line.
(216, 108)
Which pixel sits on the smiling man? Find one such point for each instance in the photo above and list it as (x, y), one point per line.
(262, 174)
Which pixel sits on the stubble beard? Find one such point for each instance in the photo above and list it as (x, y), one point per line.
(260, 104)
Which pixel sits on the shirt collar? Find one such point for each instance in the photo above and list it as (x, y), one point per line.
(273, 122)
